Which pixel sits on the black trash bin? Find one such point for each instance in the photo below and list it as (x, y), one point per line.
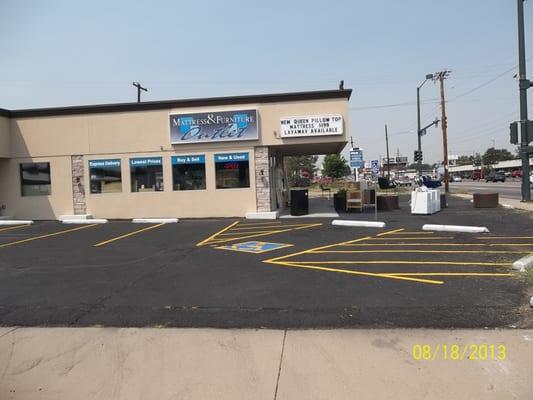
(299, 202)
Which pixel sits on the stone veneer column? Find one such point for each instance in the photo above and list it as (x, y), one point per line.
(78, 190)
(262, 180)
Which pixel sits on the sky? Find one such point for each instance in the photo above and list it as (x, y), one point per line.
(60, 53)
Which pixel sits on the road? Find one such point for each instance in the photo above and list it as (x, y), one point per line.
(509, 189)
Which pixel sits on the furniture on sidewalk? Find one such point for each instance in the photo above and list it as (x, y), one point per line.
(486, 200)
(354, 198)
(387, 202)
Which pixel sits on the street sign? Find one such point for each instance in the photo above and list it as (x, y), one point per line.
(374, 165)
(356, 158)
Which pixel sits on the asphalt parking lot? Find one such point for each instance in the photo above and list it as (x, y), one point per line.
(283, 274)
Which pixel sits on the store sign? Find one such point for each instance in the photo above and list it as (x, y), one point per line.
(356, 158)
(312, 125)
(104, 163)
(213, 127)
(234, 157)
(188, 160)
(145, 162)
(375, 167)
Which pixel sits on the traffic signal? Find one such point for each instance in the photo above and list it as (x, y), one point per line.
(418, 155)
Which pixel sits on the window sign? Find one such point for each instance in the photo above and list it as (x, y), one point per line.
(146, 174)
(105, 176)
(176, 160)
(231, 157)
(188, 172)
(213, 127)
(312, 125)
(35, 179)
(232, 170)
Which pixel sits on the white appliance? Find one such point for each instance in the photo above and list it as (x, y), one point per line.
(425, 201)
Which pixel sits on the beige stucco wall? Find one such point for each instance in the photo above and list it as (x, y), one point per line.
(169, 203)
(137, 134)
(5, 139)
(59, 202)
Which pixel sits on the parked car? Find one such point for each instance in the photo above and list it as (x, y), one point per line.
(517, 173)
(403, 181)
(457, 178)
(508, 174)
(498, 176)
(477, 175)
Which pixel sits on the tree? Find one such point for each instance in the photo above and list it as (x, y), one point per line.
(335, 166)
(492, 156)
(425, 167)
(465, 160)
(295, 165)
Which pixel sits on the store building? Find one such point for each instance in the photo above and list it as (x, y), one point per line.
(212, 157)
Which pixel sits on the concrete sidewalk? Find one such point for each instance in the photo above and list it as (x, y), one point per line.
(148, 363)
(505, 202)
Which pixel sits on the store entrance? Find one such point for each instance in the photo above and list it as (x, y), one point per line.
(298, 168)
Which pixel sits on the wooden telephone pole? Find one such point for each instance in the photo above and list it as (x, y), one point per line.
(441, 76)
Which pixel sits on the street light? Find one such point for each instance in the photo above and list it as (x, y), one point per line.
(418, 130)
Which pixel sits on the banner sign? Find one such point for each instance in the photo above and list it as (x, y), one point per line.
(375, 167)
(213, 127)
(356, 158)
(104, 163)
(188, 159)
(145, 162)
(312, 125)
(231, 157)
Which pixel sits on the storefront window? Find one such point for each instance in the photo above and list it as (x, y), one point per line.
(232, 170)
(105, 176)
(188, 172)
(35, 179)
(146, 174)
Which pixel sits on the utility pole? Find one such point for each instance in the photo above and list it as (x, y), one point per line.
(441, 76)
(524, 84)
(139, 88)
(388, 159)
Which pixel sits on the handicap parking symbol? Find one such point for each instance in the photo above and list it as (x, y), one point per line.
(254, 247)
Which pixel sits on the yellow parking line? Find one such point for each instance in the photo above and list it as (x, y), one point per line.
(128, 234)
(231, 239)
(276, 259)
(390, 232)
(424, 251)
(435, 244)
(246, 227)
(448, 274)
(262, 223)
(47, 235)
(217, 233)
(248, 232)
(14, 227)
(358, 262)
(412, 238)
(344, 271)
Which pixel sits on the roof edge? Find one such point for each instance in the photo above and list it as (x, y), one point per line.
(163, 104)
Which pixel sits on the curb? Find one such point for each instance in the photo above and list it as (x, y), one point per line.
(455, 228)
(9, 222)
(365, 224)
(262, 215)
(154, 220)
(523, 263)
(84, 221)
